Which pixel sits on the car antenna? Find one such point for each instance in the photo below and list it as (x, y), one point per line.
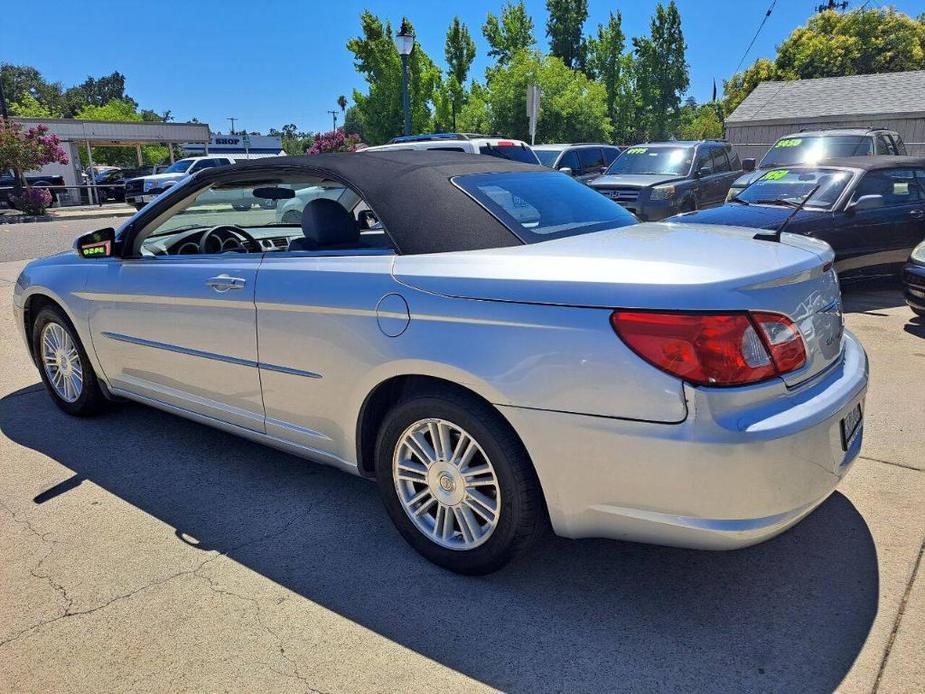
(776, 233)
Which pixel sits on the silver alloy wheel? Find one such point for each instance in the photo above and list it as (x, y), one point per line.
(61, 361)
(446, 484)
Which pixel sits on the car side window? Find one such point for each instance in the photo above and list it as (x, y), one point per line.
(610, 153)
(704, 161)
(897, 186)
(296, 214)
(735, 164)
(885, 145)
(591, 159)
(570, 160)
(900, 145)
(720, 161)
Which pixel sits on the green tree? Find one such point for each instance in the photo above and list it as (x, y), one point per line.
(377, 59)
(23, 81)
(123, 111)
(30, 107)
(353, 123)
(511, 33)
(831, 44)
(96, 92)
(661, 72)
(565, 29)
(573, 107)
(608, 64)
(459, 52)
(700, 121)
(342, 102)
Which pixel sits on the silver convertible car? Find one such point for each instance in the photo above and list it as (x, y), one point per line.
(500, 347)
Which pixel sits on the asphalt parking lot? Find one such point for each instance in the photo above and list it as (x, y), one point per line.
(140, 551)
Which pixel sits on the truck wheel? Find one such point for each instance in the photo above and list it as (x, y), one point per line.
(457, 482)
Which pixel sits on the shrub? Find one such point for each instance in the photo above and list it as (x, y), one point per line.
(334, 141)
(32, 201)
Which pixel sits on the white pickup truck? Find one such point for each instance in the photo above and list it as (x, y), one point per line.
(140, 191)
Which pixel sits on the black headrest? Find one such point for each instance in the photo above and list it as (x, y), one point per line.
(326, 223)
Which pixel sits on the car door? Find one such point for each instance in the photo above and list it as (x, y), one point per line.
(326, 316)
(570, 161)
(879, 240)
(181, 329)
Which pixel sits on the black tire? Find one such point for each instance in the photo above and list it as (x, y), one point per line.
(919, 312)
(138, 206)
(91, 400)
(522, 515)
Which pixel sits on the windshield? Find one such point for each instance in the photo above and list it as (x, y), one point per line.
(674, 161)
(520, 153)
(808, 150)
(793, 187)
(548, 157)
(180, 166)
(541, 205)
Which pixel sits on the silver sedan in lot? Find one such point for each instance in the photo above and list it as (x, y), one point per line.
(499, 346)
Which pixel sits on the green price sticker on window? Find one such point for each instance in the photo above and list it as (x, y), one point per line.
(791, 142)
(775, 175)
(637, 150)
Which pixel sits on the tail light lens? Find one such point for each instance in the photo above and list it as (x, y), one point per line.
(714, 349)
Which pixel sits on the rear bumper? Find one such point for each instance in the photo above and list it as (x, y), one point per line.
(914, 286)
(744, 466)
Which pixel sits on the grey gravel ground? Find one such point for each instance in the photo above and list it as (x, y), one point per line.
(139, 551)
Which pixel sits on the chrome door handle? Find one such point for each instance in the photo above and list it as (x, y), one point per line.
(918, 214)
(223, 282)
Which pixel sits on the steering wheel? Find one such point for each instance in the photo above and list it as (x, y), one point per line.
(232, 241)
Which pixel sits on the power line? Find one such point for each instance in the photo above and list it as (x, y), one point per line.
(755, 37)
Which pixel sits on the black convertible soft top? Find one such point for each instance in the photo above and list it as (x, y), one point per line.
(410, 191)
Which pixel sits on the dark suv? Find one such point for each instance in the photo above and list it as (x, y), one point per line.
(584, 161)
(660, 179)
(811, 146)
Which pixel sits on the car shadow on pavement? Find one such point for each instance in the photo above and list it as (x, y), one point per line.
(872, 296)
(790, 614)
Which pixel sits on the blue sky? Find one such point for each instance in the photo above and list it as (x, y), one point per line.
(269, 63)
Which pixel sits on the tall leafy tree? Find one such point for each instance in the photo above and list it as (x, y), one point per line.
(661, 71)
(96, 92)
(608, 64)
(459, 52)
(23, 85)
(574, 107)
(510, 33)
(831, 44)
(565, 29)
(377, 59)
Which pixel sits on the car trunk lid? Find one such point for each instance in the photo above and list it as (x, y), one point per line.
(683, 267)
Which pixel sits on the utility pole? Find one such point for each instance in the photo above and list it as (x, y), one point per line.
(334, 118)
(833, 5)
(232, 119)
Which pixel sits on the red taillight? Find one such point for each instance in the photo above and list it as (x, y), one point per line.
(713, 349)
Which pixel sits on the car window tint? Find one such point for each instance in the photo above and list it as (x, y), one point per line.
(897, 186)
(610, 153)
(900, 145)
(591, 159)
(704, 161)
(885, 145)
(570, 160)
(446, 149)
(734, 162)
(720, 161)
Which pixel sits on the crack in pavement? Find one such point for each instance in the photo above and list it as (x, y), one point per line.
(67, 613)
(890, 462)
(899, 616)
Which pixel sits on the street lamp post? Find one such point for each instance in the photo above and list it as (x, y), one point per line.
(404, 42)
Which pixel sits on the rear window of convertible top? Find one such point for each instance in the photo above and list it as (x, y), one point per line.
(542, 205)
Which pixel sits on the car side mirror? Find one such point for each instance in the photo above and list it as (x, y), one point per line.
(96, 244)
(704, 171)
(748, 165)
(567, 170)
(866, 202)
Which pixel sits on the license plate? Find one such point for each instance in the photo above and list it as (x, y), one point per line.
(850, 426)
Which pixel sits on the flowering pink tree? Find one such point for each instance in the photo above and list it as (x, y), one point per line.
(334, 141)
(29, 150)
